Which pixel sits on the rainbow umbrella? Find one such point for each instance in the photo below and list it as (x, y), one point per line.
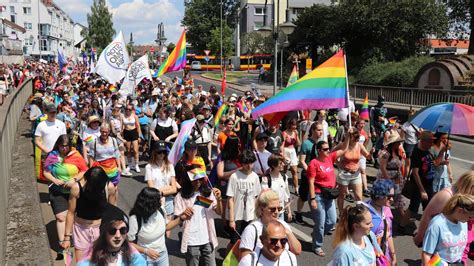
(453, 118)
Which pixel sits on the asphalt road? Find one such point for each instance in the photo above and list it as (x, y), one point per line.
(407, 252)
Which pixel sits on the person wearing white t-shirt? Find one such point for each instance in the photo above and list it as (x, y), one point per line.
(273, 251)
(243, 188)
(267, 209)
(274, 180)
(261, 165)
(48, 131)
(91, 133)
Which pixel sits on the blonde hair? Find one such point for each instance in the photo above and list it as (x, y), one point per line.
(465, 183)
(459, 200)
(264, 199)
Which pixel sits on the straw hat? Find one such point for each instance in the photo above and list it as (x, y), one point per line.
(392, 139)
(93, 118)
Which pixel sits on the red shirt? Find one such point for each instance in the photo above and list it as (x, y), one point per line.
(322, 173)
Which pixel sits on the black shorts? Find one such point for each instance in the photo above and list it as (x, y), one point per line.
(58, 199)
(130, 135)
(303, 190)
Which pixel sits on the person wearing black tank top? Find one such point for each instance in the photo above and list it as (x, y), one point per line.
(88, 200)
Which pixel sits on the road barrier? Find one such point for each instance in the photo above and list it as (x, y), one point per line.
(10, 113)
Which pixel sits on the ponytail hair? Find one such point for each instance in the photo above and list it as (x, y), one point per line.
(350, 216)
(464, 201)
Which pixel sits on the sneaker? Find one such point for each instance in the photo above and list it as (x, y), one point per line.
(366, 193)
(59, 256)
(319, 252)
(298, 218)
(137, 168)
(127, 169)
(349, 198)
(126, 172)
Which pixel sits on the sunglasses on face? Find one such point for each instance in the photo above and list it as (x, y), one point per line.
(275, 209)
(274, 241)
(200, 121)
(466, 207)
(113, 231)
(324, 149)
(162, 152)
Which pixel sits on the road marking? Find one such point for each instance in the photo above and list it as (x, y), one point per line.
(459, 159)
(301, 235)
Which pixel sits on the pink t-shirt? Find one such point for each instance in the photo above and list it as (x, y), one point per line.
(322, 172)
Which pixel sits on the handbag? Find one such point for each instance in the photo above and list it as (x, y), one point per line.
(329, 193)
(380, 258)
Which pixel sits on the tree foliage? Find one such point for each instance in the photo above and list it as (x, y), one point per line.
(203, 16)
(256, 43)
(100, 30)
(384, 31)
(214, 43)
(170, 47)
(462, 20)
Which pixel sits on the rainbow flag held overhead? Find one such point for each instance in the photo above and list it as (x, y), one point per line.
(203, 201)
(198, 169)
(222, 110)
(232, 258)
(178, 146)
(112, 88)
(323, 88)
(293, 77)
(176, 60)
(364, 111)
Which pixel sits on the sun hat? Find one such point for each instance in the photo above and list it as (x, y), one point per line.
(92, 119)
(392, 139)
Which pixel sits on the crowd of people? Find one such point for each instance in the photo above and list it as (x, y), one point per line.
(237, 170)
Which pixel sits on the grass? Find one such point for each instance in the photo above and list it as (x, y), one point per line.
(230, 76)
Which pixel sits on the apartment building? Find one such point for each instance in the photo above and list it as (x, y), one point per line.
(47, 28)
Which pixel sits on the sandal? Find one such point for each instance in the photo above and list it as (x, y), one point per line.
(319, 252)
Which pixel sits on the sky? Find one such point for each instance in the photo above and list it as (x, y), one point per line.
(138, 16)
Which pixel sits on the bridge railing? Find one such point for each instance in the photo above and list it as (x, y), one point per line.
(10, 113)
(411, 97)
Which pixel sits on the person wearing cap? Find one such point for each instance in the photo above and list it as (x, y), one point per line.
(420, 187)
(199, 240)
(48, 131)
(262, 155)
(207, 113)
(202, 135)
(112, 246)
(381, 196)
(160, 174)
(90, 133)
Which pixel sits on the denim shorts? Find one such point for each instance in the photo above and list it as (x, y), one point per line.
(345, 178)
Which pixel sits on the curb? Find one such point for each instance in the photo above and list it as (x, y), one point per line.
(239, 87)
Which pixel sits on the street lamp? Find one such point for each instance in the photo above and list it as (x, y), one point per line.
(131, 45)
(287, 28)
(265, 31)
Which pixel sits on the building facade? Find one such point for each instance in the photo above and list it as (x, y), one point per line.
(48, 28)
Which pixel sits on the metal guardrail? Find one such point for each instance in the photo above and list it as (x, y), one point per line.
(411, 97)
(10, 113)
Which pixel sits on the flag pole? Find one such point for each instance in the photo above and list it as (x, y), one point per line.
(347, 90)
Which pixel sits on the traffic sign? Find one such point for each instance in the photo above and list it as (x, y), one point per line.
(152, 49)
(207, 52)
(206, 58)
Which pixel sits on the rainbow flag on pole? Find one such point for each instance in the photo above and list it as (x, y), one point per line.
(203, 201)
(176, 60)
(364, 111)
(436, 261)
(220, 112)
(232, 258)
(323, 88)
(293, 77)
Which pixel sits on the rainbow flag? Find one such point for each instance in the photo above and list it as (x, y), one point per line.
(293, 77)
(364, 111)
(65, 168)
(198, 169)
(274, 118)
(323, 88)
(436, 261)
(89, 139)
(222, 110)
(112, 88)
(176, 60)
(178, 146)
(232, 258)
(111, 169)
(203, 201)
(68, 257)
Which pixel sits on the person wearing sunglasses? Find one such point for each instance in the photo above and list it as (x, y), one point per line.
(273, 252)
(447, 233)
(354, 242)
(381, 196)
(160, 174)
(112, 246)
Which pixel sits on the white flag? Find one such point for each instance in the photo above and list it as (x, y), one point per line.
(137, 71)
(113, 61)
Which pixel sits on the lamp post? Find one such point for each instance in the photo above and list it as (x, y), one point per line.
(131, 45)
(286, 28)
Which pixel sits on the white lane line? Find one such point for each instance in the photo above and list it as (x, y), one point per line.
(462, 160)
(301, 235)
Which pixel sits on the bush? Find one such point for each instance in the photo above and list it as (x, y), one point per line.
(400, 74)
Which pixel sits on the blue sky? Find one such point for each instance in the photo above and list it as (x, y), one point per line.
(138, 16)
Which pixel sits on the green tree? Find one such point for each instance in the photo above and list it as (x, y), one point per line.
(203, 16)
(170, 47)
(214, 43)
(256, 43)
(101, 28)
(461, 18)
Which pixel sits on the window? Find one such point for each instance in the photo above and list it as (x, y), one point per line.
(29, 42)
(12, 9)
(28, 26)
(44, 45)
(12, 18)
(27, 10)
(259, 11)
(257, 25)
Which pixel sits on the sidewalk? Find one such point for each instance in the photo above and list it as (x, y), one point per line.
(27, 241)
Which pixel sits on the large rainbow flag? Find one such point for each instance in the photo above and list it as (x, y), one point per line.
(323, 88)
(176, 60)
(364, 111)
